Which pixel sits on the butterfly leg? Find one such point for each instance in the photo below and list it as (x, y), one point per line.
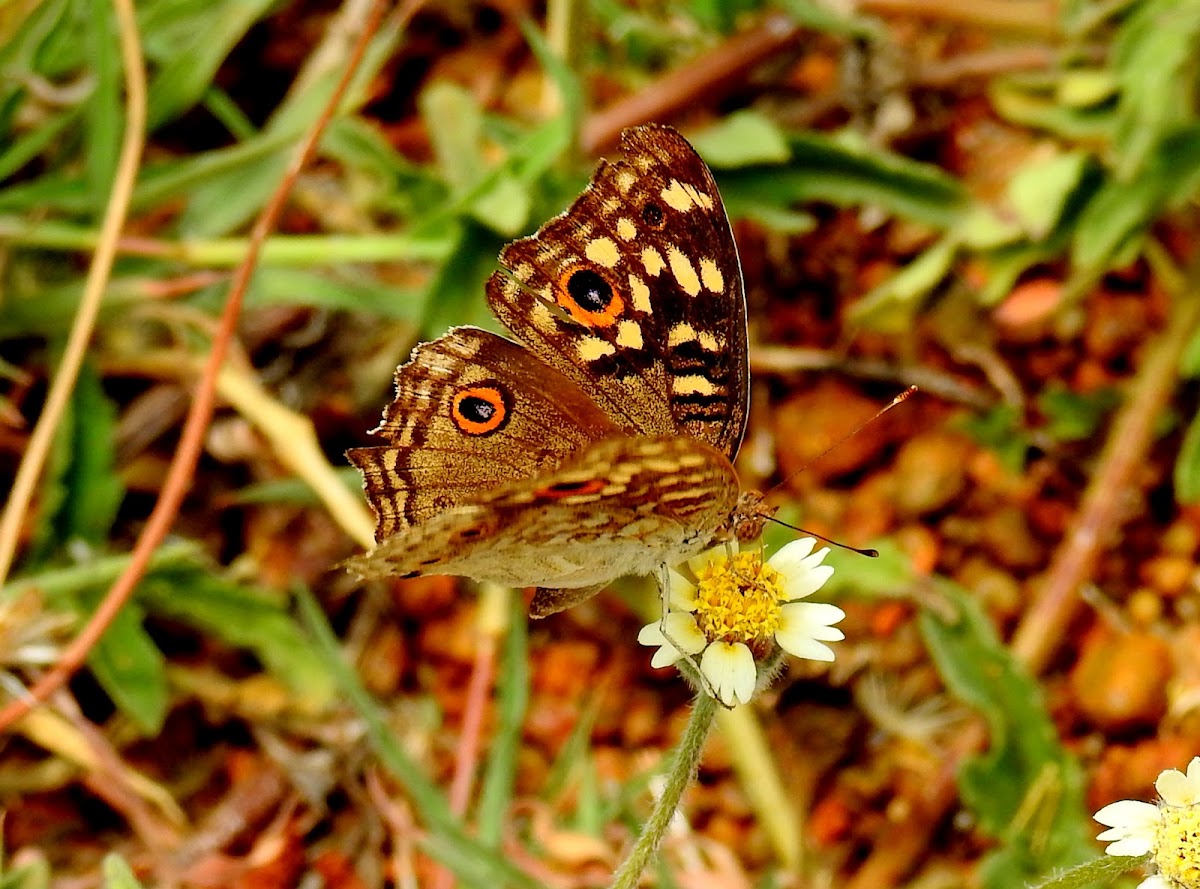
(693, 672)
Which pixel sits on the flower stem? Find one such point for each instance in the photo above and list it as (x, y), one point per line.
(683, 770)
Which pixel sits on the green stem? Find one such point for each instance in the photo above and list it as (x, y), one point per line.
(683, 770)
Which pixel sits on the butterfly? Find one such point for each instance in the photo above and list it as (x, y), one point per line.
(600, 444)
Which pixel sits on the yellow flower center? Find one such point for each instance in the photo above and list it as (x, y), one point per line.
(1177, 845)
(738, 599)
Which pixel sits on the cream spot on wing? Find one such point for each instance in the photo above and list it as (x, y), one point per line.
(625, 180)
(675, 195)
(710, 343)
(693, 384)
(626, 230)
(641, 294)
(653, 261)
(684, 271)
(389, 460)
(680, 333)
(592, 348)
(711, 275)
(629, 335)
(523, 271)
(602, 251)
(698, 196)
(543, 319)
(548, 253)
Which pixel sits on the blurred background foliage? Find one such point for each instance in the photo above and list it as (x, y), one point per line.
(997, 167)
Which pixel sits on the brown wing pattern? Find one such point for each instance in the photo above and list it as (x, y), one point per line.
(473, 411)
(635, 293)
(618, 506)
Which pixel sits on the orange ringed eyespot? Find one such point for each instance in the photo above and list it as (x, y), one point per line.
(589, 297)
(572, 489)
(480, 410)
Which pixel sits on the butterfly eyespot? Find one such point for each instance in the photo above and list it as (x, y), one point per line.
(567, 489)
(481, 409)
(653, 216)
(589, 297)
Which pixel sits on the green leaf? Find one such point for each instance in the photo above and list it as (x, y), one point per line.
(456, 294)
(454, 122)
(742, 139)
(130, 669)
(570, 89)
(1026, 790)
(1189, 362)
(504, 207)
(1187, 464)
(245, 618)
(1001, 431)
(892, 304)
(118, 874)
(843, 171)
(1071, 416)
(499, 778)
(104, 117)
(347, 288)
(189, 56)
(1118, 212)
(1155, 57)
(1086, 87)
(1038, 192)
(82, 491)
(822, 17)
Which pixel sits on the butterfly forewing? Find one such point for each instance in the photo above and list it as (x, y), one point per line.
(619, 506)
(635, 292)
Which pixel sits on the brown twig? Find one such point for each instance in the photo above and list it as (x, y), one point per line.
(492, 619)
(1102, 511)
(706, 76)
(788, 360)
(191, 439)
(1040, 16)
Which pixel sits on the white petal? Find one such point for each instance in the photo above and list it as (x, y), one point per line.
(1178, 789)
(729, 669)
(683, 592)
(1155, 881)
(1193, 769)
(803, 626)
(797, 550)
(1128, 814)
(1133, 846)
(681, 629)
(1133, 826)
(682, 637)
(800, 569)
(721, 551)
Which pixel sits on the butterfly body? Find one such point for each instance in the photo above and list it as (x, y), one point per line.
(600, 445)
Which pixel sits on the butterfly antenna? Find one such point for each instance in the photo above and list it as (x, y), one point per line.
(869, 553)
(898, 400)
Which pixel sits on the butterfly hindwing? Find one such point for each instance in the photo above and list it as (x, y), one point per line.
(635, 292)
(472, 411)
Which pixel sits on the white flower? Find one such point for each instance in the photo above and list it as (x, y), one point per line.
(1169, 833)
(739, 608)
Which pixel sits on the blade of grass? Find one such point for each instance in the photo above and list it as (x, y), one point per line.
(446, 839)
